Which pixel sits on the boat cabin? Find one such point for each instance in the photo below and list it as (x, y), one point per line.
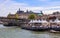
(38, 23)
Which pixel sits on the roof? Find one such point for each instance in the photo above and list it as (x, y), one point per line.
(38, 21)
(27, 12)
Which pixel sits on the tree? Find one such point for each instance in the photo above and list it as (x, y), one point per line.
(16, 16)
(32, 16)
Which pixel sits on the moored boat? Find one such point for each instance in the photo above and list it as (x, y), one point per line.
(36, 25)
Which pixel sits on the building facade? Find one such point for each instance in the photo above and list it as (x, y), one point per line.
(24, 15)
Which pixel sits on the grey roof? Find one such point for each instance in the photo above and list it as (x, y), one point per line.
(27, 12)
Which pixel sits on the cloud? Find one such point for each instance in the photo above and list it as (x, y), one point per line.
(50, 11)
(46, 10)
(12, 6)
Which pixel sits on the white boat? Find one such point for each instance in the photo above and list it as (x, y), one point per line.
(38, 21)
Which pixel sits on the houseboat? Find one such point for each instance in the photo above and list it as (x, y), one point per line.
(55, 25)
(36, 25)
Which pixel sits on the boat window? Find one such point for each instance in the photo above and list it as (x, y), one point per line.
(58, 19)
(53, 20)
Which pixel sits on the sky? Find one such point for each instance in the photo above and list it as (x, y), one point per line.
(11, 6)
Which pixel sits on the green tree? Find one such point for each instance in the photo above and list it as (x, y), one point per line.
(16, 15)
(31, 16)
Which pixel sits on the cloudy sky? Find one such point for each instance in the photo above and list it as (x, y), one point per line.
(11, 6)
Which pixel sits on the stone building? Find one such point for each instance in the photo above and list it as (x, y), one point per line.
(24, 15)
(11, 16)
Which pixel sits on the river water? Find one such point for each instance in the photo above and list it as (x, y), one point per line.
(16, 32)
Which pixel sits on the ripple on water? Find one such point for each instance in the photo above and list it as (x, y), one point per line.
(20, 33)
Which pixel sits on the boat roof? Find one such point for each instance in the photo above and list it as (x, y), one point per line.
(38, 21)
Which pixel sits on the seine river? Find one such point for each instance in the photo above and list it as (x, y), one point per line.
(16, 32)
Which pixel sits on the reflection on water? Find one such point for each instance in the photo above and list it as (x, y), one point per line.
(20, 33)
(1, 26)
